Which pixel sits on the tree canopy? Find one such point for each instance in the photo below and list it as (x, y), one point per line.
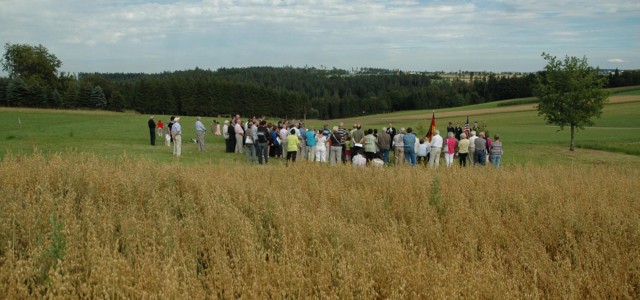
(31, 63)
(571, 93)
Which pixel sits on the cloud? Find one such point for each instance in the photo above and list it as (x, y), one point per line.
(413, 34)
(615, 60)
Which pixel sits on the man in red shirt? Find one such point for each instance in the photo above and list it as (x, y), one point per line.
(160, 127)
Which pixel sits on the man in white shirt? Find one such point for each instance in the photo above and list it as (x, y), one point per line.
(436, 148)
(176, 133)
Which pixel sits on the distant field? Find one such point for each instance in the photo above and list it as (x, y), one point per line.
(525, 135)
(632, 90)
(629, 93)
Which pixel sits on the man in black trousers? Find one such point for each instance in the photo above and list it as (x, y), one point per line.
(152, 130)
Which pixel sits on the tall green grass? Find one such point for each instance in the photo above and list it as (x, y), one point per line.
(525, 135)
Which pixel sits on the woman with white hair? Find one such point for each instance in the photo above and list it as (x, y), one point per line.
(450, 145)
(479, 156)
(436, 148)
(321, 147)
(250, 144)
(472, 147)
(335, 154)
(463, 149)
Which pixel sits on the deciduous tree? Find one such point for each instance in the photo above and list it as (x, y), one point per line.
(571, 93)
(32, 63)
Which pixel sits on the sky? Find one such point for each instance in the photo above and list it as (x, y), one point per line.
(163, 35)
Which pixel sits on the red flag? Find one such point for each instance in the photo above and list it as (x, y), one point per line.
(432, 128)
(466, 128)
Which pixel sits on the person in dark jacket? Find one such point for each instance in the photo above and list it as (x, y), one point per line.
(231, 146)
(152, 130)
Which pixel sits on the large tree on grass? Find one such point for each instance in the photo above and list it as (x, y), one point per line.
(571, 93)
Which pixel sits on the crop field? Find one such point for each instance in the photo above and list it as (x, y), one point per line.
(90, 210)
(88, 227)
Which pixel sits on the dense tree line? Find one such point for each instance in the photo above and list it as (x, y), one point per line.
(310, 92)
(274, 91)
(625, 78)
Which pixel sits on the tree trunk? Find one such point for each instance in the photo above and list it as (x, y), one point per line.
(573, 134)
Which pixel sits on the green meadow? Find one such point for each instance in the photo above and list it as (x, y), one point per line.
(614, 138)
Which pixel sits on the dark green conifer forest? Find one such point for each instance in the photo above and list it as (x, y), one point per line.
(282, 92)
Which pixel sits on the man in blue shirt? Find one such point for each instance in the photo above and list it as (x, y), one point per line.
(409, 140)
(311, 144)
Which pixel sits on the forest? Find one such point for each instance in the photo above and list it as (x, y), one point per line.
(280, 92)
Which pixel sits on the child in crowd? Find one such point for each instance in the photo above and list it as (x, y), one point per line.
(347, 150)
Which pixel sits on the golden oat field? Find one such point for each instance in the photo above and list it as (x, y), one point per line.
(86, 226)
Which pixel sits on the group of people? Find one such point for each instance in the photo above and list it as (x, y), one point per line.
(173, 133)
(260, 140)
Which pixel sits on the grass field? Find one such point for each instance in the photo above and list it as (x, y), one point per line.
(90, 210)
(525, 136)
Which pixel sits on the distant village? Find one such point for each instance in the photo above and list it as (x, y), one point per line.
(466, 76)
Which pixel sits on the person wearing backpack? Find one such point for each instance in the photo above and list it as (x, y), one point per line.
(335, 152)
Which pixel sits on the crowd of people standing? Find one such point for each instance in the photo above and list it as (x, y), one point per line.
(293, 141)
(260, 140)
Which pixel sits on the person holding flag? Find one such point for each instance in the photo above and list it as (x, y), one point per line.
(436, 143)
(432, 128)
(467, 130)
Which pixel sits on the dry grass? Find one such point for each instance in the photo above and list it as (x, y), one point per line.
(93, 228)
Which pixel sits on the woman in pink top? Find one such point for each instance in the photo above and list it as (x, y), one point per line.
(486, 134)
(451, 143)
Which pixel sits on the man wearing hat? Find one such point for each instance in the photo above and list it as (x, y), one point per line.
(176, 133)
(200, 132)
(152, 130)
